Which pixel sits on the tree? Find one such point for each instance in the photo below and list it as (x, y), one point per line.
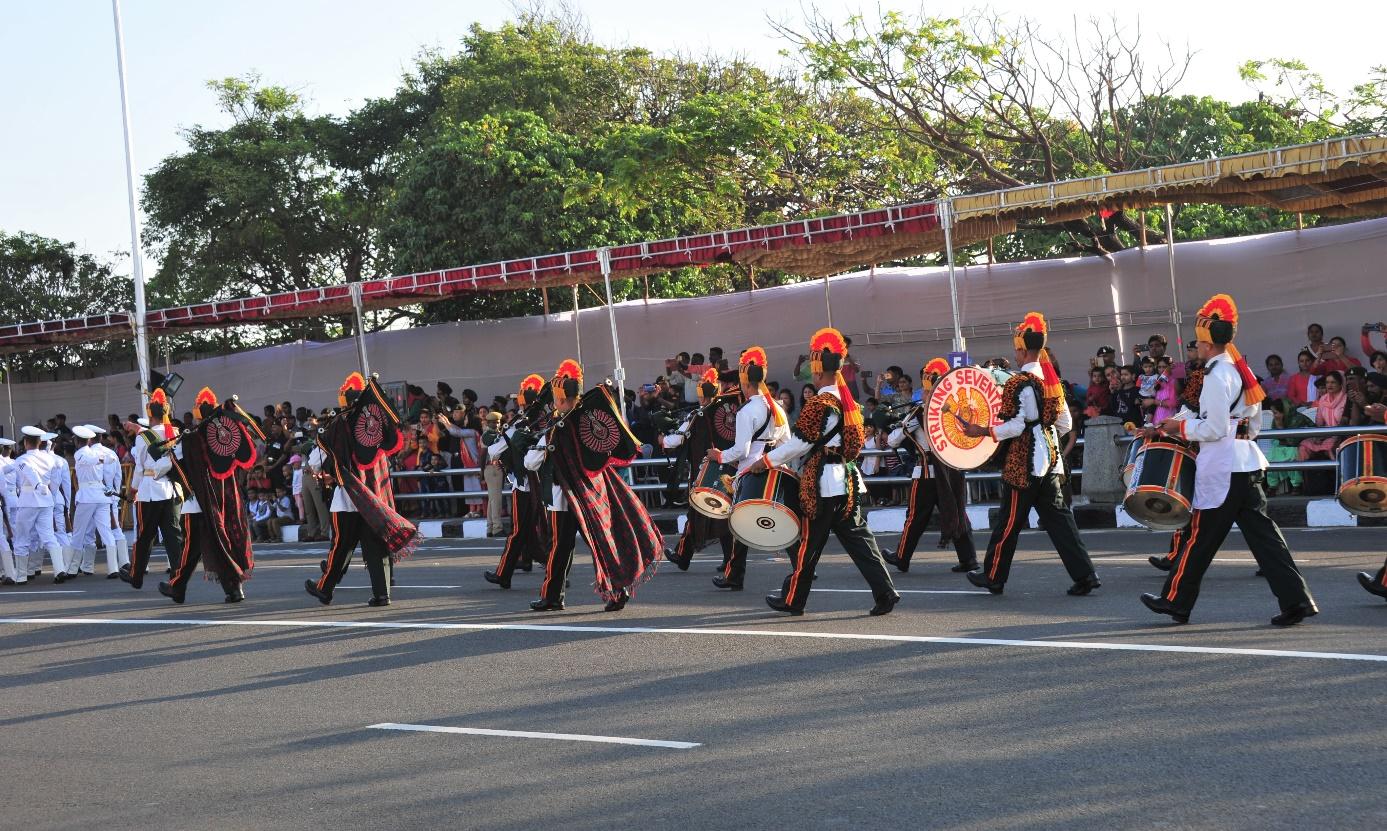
(52, 278)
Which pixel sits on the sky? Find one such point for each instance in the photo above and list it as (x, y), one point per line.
(62, 169)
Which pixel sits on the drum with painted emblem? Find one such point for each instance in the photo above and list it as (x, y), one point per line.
(1363, 475)
(766, 514)
(1161, 490)
(967, 394)
(708, 495)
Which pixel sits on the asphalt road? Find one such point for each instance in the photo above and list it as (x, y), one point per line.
(958, 710)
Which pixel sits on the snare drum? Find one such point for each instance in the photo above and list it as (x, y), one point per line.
(1363, 475)
(708, 495)
(766, 514)
(1162, 487)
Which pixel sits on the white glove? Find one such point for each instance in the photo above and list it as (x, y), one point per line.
(911, 424)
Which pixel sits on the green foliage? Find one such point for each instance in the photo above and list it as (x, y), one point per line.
(531, 139)
(43, 275)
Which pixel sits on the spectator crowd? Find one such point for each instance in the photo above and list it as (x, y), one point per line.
(1329, 387)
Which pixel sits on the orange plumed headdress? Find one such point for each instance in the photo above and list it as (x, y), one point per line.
(161, 398)
(755, 356)
(933, 371)
(1034, 334)
(1217, 323)
(568, 370)
(204, 396)
(827, 349)
(529, 388)
(710, 378)
(351, 388)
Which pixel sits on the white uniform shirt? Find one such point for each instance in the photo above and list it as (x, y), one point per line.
(750, 417)
(833, 481)
(91, 476)
(190, 505)
(917, 434)
(534, 460)
(61, 481)
(7, 481)
(1044, 438)
(110, 471)
(151, 478)
(341, 500)
(1215, 427)
(494, 451)
(33, 480)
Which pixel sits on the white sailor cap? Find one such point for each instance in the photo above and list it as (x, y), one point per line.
(83, 432)
(31, 431)
(142, 421)
(4, 442)
(48, 436)
(97, 430)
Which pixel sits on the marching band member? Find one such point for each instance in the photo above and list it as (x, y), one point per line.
(828, 438)
(933, 484)
(700, 433)
(1228, 478)
(1375, 583)
(761, 424)
(354, 443)
(216, 528)
(1033, 419)
(526, 541)
(584, 495)
(156, 499)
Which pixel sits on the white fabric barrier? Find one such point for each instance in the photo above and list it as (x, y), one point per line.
(1282, 282)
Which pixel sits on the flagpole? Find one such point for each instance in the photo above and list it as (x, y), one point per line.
(141, 333)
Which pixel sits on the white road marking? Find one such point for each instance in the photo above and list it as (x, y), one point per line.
(904, 591)
(656, 630)
(530, 734)
(401, 586)
(23, 592)
(1105, 559)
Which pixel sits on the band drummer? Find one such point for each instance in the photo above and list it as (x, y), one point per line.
(1228, 481)
(761, 424)
(1033, 418)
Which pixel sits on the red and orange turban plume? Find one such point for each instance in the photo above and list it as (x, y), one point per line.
(161, 398)
(934, 370)
(355, 383)
(1217, 323)
(1034, 334)
(205, 396)
(529, 388)
(827, 349)
(569, 369)
(756, 356)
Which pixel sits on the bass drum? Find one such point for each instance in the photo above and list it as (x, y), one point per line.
(708, 495)
(1363, 475)
(971, 394)
(766, 514)
(1162, 488)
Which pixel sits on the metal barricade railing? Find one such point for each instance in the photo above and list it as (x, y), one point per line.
(970, 476)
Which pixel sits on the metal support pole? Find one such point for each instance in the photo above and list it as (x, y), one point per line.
(577, 330)
(1174, 295)
(141, 332)
(355, 289)
(828, 305)
(604, 256)
(9, 392)
(946, 207)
